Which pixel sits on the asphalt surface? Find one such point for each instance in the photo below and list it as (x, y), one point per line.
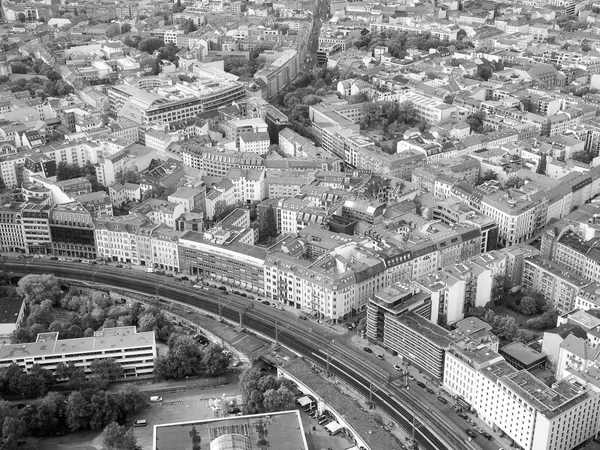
(433, 430)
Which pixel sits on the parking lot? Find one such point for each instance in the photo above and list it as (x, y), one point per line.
(179, 406)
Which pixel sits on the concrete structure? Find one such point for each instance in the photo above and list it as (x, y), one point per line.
(134, 351)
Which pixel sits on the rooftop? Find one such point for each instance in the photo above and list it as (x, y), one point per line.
(522, 353)
(281, 430)
(48, 344)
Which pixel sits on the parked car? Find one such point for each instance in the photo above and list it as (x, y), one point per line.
(442, 399)
(430, 391)
(63, 259)
(140, 423)
(479, 430)
(397, 367)
(380, 356)
(155, 399)
(463, 416)
(471, 422)
(85, 261)
(206, 288)
(367, 349)
(184, 279)
(53, 258)
(470, 433)
(487, 435)
(421, 384)
(222, 288)
(243, 295)
(411, 378)
(266, 302)
(301, 317)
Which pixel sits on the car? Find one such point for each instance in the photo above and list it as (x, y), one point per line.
(411, 378)
(456, 408)
(140, 423)
(421, 384)
(150, 269)
(487, 435)
(63, 259)
(93, 262)
(348, 325)
(251, 297)
(367, 349)
(463, 416)
(397, 367)
(243, 295)
(155, 399)
(119, 266)
(53, 258)
(430, 391)
(159, 272)
(236, 292)
(379, 356)
(85, 261)
(442, 399)
(206, 288)
(471, 422)
(470, 433)
(184, 279)
(302, 317)
(213, 285)
(169, 275)
(76, 260)
(266, 302)
(479, 430)
(222, 288)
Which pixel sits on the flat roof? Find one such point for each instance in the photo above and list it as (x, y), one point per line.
(48, 344)
(522, 353)
(281, 430)
(9, 309)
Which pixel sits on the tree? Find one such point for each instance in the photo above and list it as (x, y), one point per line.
(484, 72)
(505, 327)
(150, 45)
(514, 183)
(42, 314)
(281, 399)
(546, 321)
(581, 156)
(528, 305)
(189, 26)
(487, 176)
(216, 361)
(36, 288)
(372, 112)
(21, 17)
(66, 171)
(185, 358)
(475, 121)
(155, 320)
(117, 437)
(48, 414)
(106, 369)
(498, 294)
(542, 165)
(125, 28)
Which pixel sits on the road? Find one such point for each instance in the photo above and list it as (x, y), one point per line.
(435, 431)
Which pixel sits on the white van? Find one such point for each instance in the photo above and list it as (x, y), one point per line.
(150, 269)
(156, 399)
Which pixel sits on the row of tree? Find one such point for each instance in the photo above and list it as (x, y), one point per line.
(90, 311)
(263, 392)
(186, 358)
(56, 414)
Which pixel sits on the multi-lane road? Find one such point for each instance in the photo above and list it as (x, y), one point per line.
(434, 431)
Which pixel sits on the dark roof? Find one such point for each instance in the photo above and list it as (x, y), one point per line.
(9, 309)
(566, 329)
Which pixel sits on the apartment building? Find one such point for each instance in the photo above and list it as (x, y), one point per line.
(250, 185)
(11, 228)
(534, 415)
(222, 193)
(160, 211)
(255, 143)
(519, 217)
(72, 231)
(557, 284)
(134, 351)
(281, 69)
(36, 228)
(287, 183)
(173, 103)
(116, 237)
(220, 255)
